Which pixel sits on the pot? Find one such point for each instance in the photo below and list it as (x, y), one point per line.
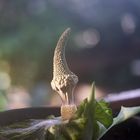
(128, 130)
(16, 115)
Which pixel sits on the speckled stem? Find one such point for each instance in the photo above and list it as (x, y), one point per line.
(64, 80)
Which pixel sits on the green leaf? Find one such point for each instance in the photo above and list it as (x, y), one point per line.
(103, 113)
(125, 113)
(81, 110)
(91, 128)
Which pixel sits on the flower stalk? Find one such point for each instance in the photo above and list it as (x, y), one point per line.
(64, 81)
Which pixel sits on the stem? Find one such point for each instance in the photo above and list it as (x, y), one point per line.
(67, 111)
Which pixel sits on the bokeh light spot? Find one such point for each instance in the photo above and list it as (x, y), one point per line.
(128, 23)
(87, 38)
(5, 81)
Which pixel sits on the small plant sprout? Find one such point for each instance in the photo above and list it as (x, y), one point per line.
(64, 80)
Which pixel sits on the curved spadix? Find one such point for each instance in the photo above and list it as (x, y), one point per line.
(63, 79)
(59, 62)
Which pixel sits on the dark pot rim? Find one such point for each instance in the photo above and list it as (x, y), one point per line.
(16, 115)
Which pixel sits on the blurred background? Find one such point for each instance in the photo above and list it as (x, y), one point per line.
(104, 47)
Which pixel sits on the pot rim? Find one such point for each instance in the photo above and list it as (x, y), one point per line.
(16, 115)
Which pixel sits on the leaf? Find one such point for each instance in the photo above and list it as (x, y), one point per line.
(124, 114)
(96, 113)
(81, 110)
(91, 128)
(103, 113)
